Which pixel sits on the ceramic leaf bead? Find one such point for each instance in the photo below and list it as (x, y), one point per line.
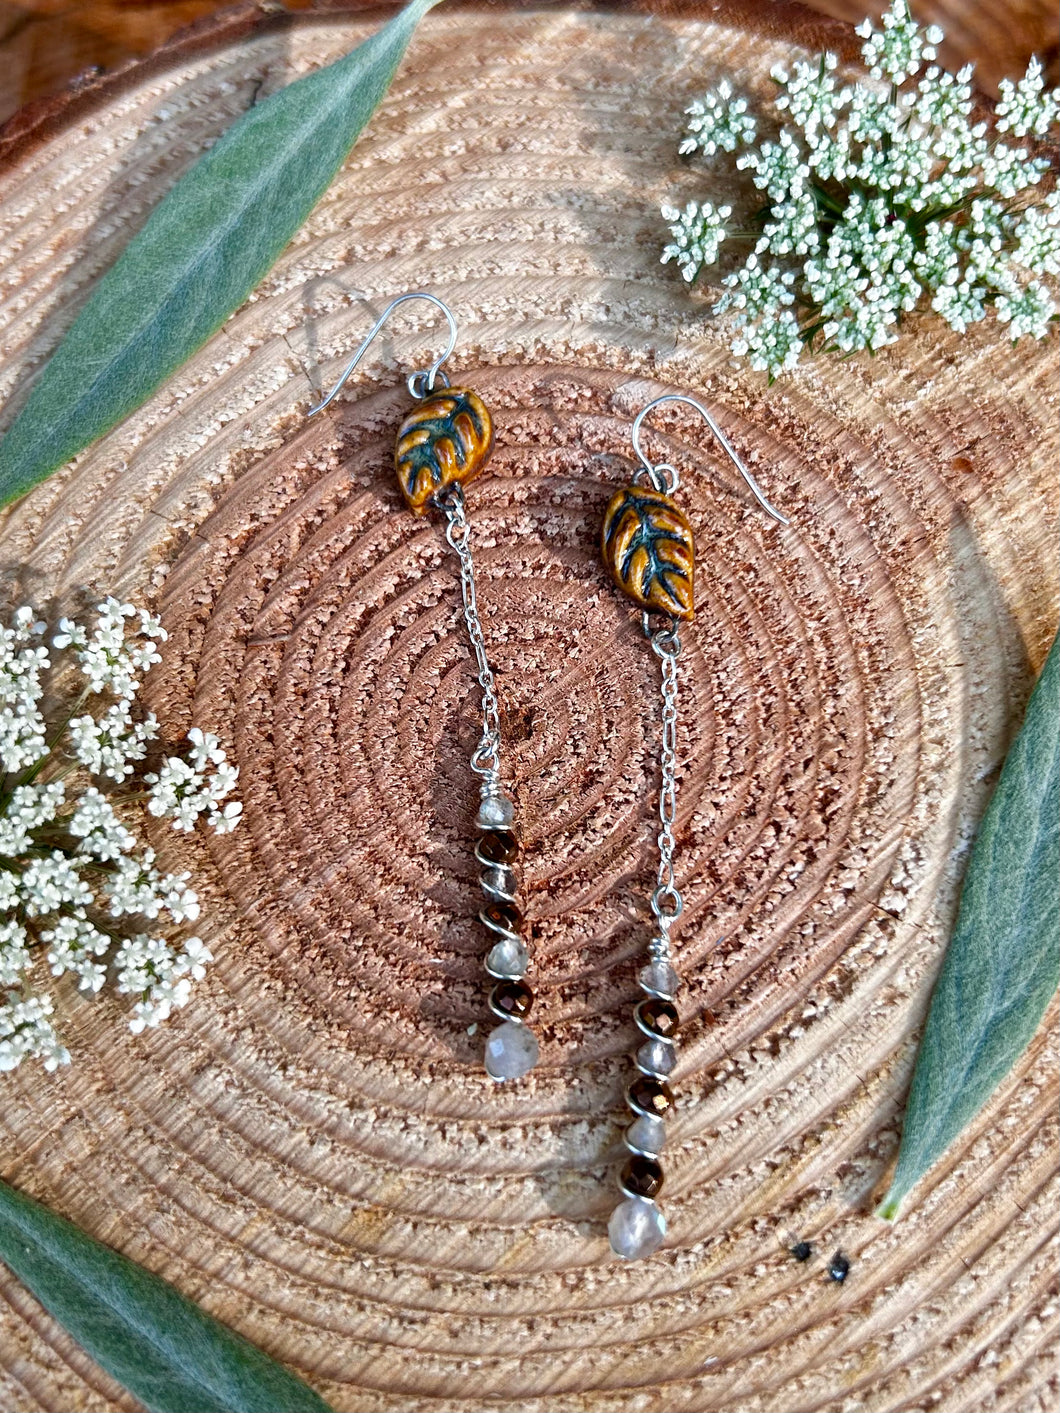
(647, 547)
(447, 437)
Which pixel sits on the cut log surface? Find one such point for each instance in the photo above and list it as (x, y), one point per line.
(998, 38)
(311, 1149)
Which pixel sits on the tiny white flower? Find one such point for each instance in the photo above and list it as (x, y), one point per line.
(74, 946)
(225, 819)
(1026, 108)
(810, 94)
(943, 99)
(111, 658)
(15, 960)
(1009, 170)
(718, 122)
(871, 118)
(26, 1032)
(792, 227)
(148, 967)
(29, 807)
(960, 304)
(133, 886)
(52, 882)
(757, 289)
(27, 625)
(22, 661)
(780, 168)
(896, 51)
(205, 749)
(195, 956)
(180, 901)
(1029, 311)
(939, 261)
(70, 633)
(109, 746)
(832, 158)
(10, 896)
(1038, 237)
(101, 832)
(771, 346)
(698, 232)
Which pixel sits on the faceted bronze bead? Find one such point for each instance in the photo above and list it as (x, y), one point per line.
(513, 998)
(504, 915)
(498, 846)
(446, 438)
(641, 1176)
(651, 1096)
(658, 1017)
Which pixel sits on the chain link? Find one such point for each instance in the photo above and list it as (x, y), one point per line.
(486, 757)
(666, 902)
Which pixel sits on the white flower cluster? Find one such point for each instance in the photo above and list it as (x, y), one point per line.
(22, 660)
(161, 976)
(889, 195)
(70, 864)
(108, 746)
(896, 51)
(112, 659)
(697, 232)
(26, 1033)
(185, 789)
(719, 122)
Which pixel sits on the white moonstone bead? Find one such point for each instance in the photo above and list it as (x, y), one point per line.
(508, 958)
(511, 1050)
(636, 1229)
(657, 1057)
(658, 978)
(647, 1134)
(495, 812)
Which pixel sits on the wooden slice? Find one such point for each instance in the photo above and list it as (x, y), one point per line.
(311, 1149)
(997, 39)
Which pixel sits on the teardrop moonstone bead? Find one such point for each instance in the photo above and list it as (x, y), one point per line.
(511, 1050)
(636, 1229)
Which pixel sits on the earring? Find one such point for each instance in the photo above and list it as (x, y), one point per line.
(442, 443)
(647, 547)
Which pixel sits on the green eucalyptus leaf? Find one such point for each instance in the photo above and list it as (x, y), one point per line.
(203, 249)
(166, 1351)
(1003, 962)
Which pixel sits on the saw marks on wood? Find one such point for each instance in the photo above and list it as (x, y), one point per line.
(311, 1149)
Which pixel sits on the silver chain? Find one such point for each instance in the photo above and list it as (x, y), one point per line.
(486, 757)
(666, 902)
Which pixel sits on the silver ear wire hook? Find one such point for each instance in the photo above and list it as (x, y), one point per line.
(756, 490)
(419, 384)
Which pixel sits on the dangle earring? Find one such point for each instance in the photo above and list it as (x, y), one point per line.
(442, 443)
(647, 547)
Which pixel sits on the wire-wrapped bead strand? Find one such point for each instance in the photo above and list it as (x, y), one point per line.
(511, 1047)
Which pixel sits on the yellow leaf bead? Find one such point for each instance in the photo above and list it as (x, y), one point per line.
(647, 546)
(446, 438)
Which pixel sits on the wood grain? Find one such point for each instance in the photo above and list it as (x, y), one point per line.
(46, 43)
(311, 1149)
(997, 39)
